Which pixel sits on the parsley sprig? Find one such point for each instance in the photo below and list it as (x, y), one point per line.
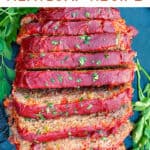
(141, 132)
(9, 24)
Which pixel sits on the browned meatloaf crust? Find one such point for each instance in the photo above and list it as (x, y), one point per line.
(110, 142)
(68, 60)
(74, 28)
(79, 126)
(57, 103)
(84, 43)
(68, 79)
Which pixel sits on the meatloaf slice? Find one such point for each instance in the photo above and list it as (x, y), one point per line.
(72, 14)
(75, 28)
(79, 126)
(68, 60)
(110, 142)
(83, 43)
(54, 104)
(68, 79)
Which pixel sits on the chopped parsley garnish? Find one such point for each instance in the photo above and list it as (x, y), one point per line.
(74, 14)
(52, 80)
(81, 99)
(42, 54)
(70, 78)
(104, 138)
(86, 38)
(89, 107)
(38, 132)
(41, 116)
(46, 84)
(77, 46)
(82, 60)
(95, 76)
(50, 105)
(54, 42)
(31, 55)
(106, 55)
(47, 110)
(98, 62)
(87, 14)
(60, 78)
(78, 80)
(26, 96)
(55, 27)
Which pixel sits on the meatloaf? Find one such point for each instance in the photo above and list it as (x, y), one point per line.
(68, 60)
(42, 130)
(68, 79)
(54, 103)
(110, 142)
(75, 28)
(72, 14)
(84, 43)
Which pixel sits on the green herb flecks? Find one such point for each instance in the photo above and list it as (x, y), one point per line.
(42, 54)
(77, 46)
(26, 96)
(52, 80)
(70, 78)
(98, 62)
(141, 132)
(31, 56)
(74, 14)
(106, 55)
(54, 42)
(60, 78)
(87, 15)
(79, 80)
(90, 107)
(81, 99)
(50, 105)
(95, 76)
(82, 60)
(85, 38)
(104, 138)
(40, 115)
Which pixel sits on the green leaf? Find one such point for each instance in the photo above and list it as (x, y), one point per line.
(7, 52)
(4, 88)
(147, 131)
(140, 106)
(10, 73)
(2, 73)
(138, 131)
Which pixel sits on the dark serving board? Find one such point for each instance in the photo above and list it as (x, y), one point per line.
(138, 17)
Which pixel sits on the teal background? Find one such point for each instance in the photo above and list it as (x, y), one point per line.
(138, 17)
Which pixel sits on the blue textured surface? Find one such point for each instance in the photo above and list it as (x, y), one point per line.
(140, 18)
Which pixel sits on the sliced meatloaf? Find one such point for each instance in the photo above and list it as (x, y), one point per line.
(75, 28)
(79, 126)
(54, 103)
(68, 60)
(72, 14)
(68, 79)
(83, 43)
(110, 142)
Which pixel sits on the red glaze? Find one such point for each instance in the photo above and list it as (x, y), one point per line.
(82, 13)
(68, 60)
(96, 43)
(75, 108)
(68, 79)
(77, 132)
(74, 28)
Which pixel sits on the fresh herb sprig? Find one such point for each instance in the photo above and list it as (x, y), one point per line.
(9, 24)
(141, 132)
